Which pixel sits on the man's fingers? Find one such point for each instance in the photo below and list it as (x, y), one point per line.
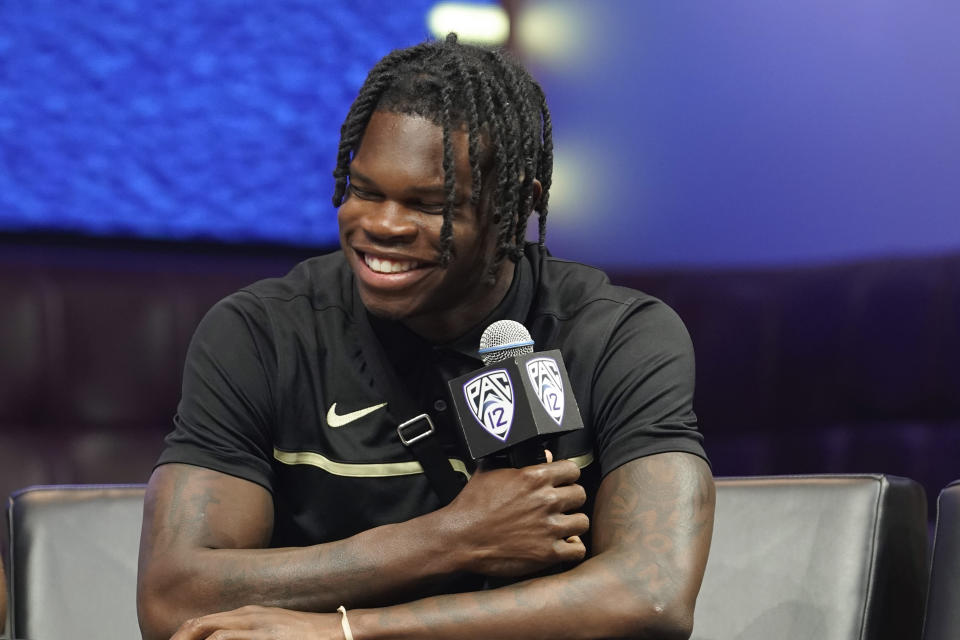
(193, 629)
(549, 455)
(571, 525)
(562, 472)
(216, 623)
(236, 634)
(198, 628)
(570, 549)
(569, 497)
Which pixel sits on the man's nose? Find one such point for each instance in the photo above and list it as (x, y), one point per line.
(390, 221)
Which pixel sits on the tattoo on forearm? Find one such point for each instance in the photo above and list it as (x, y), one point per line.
(187, 515)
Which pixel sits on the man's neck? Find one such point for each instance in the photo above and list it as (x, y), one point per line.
(445, 328)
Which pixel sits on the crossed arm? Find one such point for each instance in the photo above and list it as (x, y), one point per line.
(202, 551)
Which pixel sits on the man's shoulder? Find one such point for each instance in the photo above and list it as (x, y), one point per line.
(568, 285)
(584, 305)
(322, 282)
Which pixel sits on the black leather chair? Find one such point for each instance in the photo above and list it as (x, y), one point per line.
(73, 561)
(942, 620)
(832, 557)
(3, 599)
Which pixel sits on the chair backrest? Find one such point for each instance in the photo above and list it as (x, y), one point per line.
(793, 557)
(833, 557)
(73, 561)
(3, 599)
(942, 620)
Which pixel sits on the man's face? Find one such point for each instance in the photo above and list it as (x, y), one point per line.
(390, 230)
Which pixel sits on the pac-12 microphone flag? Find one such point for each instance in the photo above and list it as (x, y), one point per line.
(520, 396)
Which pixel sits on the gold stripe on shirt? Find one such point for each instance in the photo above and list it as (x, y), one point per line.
(584, 460)
(379, 469)
(359, 469)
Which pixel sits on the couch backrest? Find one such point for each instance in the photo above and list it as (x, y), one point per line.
(73, 561)
(942, 621)
(829, 557)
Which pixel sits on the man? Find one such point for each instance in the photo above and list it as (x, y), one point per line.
(285, 504)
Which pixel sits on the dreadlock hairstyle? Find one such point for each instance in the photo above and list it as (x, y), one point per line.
(457, 86)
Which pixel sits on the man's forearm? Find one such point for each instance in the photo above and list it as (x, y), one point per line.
(203, 550)
(368, 568)
(589, 601)
(371, 568)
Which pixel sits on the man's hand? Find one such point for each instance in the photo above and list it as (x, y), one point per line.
(513, 522)
(253, 623)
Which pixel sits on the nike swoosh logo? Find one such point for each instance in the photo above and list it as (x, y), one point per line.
(335, 420)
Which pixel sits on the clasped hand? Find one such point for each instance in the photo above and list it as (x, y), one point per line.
(513, 522)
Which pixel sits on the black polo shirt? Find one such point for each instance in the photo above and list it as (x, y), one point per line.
(291, 384)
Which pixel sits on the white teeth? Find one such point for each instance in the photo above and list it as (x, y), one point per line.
(387, 266)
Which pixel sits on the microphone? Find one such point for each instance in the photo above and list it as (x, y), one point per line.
(516, 400)
(504, 339)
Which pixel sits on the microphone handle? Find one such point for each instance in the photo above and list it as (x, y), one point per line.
(524, 454)
(519, 455)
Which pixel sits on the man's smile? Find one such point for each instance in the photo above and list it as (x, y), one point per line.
(389, 272)
(386, 265)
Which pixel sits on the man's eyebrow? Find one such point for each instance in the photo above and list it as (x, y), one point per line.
(356, 175)
(436, 189)
(429, 189)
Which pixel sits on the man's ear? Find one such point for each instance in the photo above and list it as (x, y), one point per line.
(536, 192)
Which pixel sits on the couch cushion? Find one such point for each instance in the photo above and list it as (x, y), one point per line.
(827, 557)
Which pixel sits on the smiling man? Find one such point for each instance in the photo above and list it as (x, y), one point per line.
(285, 504)
(397, 257)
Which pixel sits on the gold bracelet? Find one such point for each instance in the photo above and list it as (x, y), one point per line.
(344, 623)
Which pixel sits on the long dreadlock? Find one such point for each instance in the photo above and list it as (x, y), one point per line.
(456, 85)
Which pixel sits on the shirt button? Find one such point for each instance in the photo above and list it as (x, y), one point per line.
(440, 405)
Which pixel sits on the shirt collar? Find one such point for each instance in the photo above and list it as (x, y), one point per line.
(402, 342)
(514, 306)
